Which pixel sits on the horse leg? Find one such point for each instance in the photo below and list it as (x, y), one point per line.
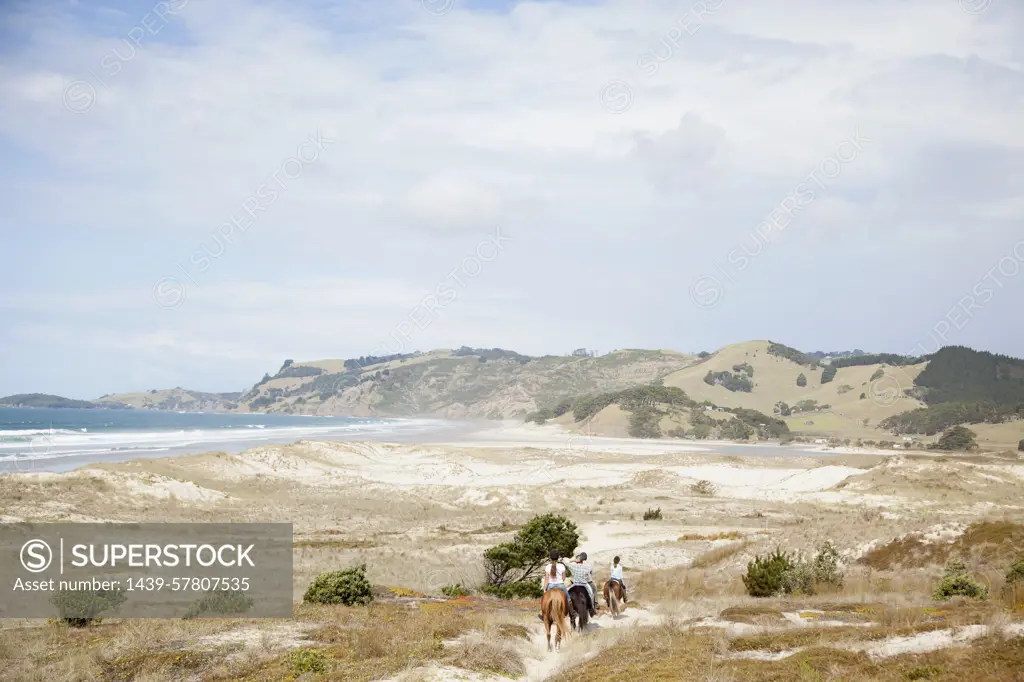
(547, 630)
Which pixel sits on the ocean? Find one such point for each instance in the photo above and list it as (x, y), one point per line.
(43, 439)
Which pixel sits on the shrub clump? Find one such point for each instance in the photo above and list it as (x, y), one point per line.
(220, 603)
(519, 590)
(653, 514)
(957, 438)
(705, 488)
(455, 590)
(1020, 446)
(349, 587)
(806, 576)
(764, 576)
(304, 661)
(79, 608)
(957, 582)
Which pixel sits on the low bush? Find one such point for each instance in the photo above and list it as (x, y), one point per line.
(219, 603)
(348, 587)
(455, 590)
(80, 608)
(520, 590)
(705, 488)
(1020, 446)
(653, 514)
(805, 577)
(957, 582)
(304, 661)
(764, 576)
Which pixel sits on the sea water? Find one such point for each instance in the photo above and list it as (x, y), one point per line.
(45, 439)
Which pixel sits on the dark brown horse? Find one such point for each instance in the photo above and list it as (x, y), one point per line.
(579, 597)
(613, 596)
(553, 608)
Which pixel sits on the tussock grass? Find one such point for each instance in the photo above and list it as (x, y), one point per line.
(724, 535)
(666, 654)
(982, 541)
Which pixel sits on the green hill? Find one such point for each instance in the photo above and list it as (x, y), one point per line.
(43, 400)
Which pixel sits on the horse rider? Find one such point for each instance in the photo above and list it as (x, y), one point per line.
(583, 574)
(616, 575)
(554, 577)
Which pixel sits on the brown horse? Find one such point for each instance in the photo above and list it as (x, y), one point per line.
(554, 607)
(613, 596)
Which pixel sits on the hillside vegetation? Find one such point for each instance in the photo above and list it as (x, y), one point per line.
(174, 399)
(43, 400)
(468, 382)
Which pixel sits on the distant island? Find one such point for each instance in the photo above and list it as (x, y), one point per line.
(47, 400)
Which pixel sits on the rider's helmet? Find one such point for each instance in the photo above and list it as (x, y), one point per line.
(582, 556)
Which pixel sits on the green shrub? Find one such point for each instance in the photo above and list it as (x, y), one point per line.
(79, 608)
(348, 587)
(826, 566)
(1016, 572)
(765, 574)
(1020, 446)
(798, 578)
(523, 559)
(704, 487)
(957, 438)
(878, 374)
(652, 514)
(828, 374)
(801, 380)
(220, 603)
(454, 590)
(644, 423)
(521, 590)
(957, 582)
(924, 672)
(863, 396)
(702, 431)
(307, 661)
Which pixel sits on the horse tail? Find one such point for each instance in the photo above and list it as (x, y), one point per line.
(560, 612)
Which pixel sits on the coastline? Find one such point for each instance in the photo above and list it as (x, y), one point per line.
(474, 434)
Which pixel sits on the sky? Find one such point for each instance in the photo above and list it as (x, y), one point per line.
(195, 191)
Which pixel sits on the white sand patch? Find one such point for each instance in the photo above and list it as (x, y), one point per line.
(808, 619)
(921, 643)
(732, 629)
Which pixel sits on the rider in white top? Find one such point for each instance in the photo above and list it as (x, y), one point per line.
(616, 574)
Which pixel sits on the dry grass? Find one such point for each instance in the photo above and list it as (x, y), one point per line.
(716, 556)
(370, 643)
(982, 541)
(724, 535)
(664, 654)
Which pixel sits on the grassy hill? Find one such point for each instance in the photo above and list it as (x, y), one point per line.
(43, 400)
(774, 379)
(489, 383)
(176, 399)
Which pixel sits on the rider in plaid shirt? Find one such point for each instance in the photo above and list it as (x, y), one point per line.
(583, 574)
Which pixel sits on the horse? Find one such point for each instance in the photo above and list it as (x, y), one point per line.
(578, 595)
(554, 607)
(613, 596)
